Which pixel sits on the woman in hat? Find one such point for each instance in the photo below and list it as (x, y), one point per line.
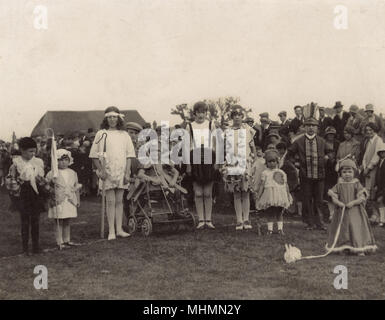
(371, 117)
(369, 160)
(350, 225)
(273, 194)
(350, 147)
(66, 198)
(355, 121)
(331, 176)
(202, 158)
(238, 177)
(111, 152)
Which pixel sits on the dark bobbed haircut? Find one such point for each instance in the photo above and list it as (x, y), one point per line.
(236, 109)
(281, 145)
(373, 126)
(200, 106)
(26, 143)
(349, 129)
(120, 124)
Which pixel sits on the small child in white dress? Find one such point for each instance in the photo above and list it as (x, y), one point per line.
(66, 200)
(273, 193)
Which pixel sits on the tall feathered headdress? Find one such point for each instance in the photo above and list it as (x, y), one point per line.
(311, 110)
(310, 113)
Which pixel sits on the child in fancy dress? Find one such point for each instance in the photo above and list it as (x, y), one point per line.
(63, 206)
(273, 194)
(350, 231)
(238, 165)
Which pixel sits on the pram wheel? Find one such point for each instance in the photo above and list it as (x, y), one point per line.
(146, 227)
(132, 225)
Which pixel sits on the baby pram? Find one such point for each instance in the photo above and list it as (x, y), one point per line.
(157, 207)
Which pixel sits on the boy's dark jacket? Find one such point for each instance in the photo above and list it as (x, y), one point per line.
(291, 173)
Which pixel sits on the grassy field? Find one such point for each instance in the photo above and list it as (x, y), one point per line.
(220, 264)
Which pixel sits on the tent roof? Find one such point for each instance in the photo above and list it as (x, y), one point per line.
(64, 122)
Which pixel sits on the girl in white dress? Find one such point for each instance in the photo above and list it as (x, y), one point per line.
(273, 193)
(63, 206)
(111, 152)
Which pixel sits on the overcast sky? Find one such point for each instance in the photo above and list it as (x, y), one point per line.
(151, 55)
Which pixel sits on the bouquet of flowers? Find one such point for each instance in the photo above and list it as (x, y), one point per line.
(55, 193)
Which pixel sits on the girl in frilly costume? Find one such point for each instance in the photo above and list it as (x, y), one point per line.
(273, 193)
(350, 226)
(237, 170)
(62, 206)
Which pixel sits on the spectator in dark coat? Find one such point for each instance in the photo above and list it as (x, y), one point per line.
(324, 122)
(266, 126)
(340, 120)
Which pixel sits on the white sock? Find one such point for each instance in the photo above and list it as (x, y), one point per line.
(270, 226)
(280, 225)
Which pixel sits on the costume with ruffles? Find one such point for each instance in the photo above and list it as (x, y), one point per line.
(238, 167)
(275, 190)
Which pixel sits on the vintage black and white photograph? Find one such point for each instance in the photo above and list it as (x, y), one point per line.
(192, 150)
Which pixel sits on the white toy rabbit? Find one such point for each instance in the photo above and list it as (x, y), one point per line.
(292, 254)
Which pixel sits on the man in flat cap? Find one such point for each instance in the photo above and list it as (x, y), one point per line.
(297, 122)
(266, 126)
(284, 128)
(310, 149)
(324, 121)
(355, 121)
(339, 121)
(371, 117)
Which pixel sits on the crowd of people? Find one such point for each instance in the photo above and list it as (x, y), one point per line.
(328, 170)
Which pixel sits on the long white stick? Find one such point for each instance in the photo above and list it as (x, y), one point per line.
(334, 242)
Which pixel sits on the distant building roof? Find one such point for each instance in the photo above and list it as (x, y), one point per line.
(63, 122)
